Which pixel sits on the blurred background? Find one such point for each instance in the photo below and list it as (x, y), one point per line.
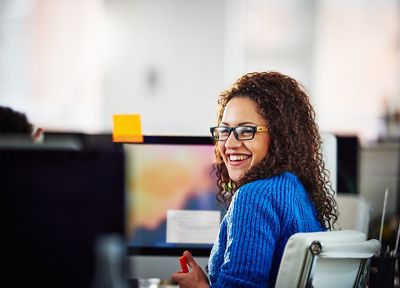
(71, 64)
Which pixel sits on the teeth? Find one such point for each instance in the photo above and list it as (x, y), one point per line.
(238, 157)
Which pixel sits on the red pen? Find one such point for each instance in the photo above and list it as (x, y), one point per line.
(182, 261)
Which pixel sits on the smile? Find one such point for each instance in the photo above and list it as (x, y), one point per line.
(238, 157)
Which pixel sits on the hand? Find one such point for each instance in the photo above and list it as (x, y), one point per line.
(194, 279)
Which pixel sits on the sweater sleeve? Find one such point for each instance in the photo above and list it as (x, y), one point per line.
(252, 231)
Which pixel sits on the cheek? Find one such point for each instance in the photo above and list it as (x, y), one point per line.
(221, 148)
(258, 157)
(266, 149)
(260, 151)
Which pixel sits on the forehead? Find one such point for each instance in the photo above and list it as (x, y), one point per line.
(242, 110)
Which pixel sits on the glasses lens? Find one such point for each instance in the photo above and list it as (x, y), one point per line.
(245, 132)
(221, 133)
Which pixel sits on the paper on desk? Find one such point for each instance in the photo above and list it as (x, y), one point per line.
(195, 227)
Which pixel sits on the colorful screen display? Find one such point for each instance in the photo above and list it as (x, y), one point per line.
(166, 179)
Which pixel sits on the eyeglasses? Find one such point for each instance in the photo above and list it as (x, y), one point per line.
(221, 133)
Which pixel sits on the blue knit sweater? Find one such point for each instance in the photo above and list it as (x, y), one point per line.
(261, 217)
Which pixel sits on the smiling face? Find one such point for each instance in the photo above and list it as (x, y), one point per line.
(240, 156)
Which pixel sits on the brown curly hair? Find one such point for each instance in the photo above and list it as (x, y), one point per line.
(295, 142)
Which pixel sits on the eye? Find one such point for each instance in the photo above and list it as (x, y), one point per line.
(223, 131)
(245, 131)
(220, 133)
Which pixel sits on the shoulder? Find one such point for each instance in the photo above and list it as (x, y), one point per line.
(269, 186)
(265, 200)
(269, 192)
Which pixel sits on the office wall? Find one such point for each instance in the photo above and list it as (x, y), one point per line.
(71, 64)
(356, 66)
(169, 67)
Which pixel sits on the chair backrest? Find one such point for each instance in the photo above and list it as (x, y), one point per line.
(354, 212)
(326, 259)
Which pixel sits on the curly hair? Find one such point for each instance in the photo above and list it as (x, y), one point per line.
(295, 141)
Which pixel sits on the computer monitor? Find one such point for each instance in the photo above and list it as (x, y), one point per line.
(79, 141)
(171, 196)
(56, 203)
(166, 176)
(348, 149)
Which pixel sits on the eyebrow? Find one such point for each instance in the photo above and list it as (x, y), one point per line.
(241, 124)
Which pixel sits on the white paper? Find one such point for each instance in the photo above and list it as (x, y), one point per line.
(192, 226)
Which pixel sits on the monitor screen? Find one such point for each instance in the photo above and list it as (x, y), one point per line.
(171, 196)
(348, 164)
(56, 204)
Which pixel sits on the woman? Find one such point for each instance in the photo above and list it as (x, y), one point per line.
(272, 177)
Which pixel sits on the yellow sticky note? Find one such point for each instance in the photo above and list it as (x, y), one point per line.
(127, 128)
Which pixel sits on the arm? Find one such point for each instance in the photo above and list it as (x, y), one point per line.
(253, 229)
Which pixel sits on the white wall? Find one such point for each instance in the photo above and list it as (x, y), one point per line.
(71, 64)
(279, 35)
(356, 65)
(169, 66)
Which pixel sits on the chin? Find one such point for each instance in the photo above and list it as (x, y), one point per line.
(235, 176)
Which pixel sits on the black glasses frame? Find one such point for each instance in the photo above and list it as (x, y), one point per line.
(254, 129)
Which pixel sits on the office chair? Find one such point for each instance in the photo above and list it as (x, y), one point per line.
(354, 212)
(326, 259)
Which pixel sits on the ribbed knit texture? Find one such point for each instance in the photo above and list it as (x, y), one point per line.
(261, 217)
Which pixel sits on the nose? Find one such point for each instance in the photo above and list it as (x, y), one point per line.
(232, 142)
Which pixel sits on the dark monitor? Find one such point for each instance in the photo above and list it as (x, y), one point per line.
(171, 196)
(348, 149)
(79, 140)
(56, 203)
